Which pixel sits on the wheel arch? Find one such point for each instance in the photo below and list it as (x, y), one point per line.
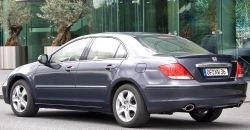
(121, 82)
(12, 80)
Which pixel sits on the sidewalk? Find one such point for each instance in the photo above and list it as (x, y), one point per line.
(4, 74)
(3, 77)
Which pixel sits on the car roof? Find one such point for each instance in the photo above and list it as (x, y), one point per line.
(132, 34)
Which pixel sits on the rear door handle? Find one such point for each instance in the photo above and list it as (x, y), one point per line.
(69, 68)
(110, 67)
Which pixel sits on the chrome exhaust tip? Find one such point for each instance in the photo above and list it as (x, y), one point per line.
(188, 108)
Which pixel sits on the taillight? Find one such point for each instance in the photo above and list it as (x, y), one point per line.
(175, 71)
(239, 71)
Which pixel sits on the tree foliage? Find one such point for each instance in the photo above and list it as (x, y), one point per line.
(17, 14)
(242, 11)
(1, 13)
(63, 14)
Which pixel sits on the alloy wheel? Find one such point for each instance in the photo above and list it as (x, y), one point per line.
(126, 105)
(19, 98)
(200, 112)
(205, 115)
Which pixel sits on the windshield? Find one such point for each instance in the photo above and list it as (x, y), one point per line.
(173, 46)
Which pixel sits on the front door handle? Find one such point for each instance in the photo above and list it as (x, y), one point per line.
(69, 68)
(110, 67)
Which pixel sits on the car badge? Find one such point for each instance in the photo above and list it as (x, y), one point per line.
(214, 59)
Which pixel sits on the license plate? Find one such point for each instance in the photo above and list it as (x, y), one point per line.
(216, 72)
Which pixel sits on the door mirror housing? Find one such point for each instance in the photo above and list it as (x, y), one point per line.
(43, 59)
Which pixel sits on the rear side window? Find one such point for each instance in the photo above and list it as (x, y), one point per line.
(162, 45)
(121, 52)
(106, 48)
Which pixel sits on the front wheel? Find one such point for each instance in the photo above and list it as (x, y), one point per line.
(205, 115)
(128, 107)
(21, 100)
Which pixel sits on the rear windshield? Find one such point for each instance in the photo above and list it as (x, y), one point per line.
(173, 46)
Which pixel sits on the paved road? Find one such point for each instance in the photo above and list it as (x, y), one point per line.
(3, 75)
(49, 119)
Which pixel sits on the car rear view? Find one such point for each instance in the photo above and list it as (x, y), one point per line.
(196, 81)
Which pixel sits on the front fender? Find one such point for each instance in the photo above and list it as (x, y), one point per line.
(15, 77)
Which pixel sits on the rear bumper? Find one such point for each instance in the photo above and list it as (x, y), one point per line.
(174, 98)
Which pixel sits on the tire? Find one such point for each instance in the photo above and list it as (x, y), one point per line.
(129, 102)
(202, 115)
(22, 103)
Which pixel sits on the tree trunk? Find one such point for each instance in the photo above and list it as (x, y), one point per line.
(63, 35)
(212, 16)
(13, 38)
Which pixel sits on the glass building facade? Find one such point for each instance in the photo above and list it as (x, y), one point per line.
(221, 26)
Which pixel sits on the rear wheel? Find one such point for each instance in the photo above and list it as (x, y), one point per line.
(21, 100)
(128, 107)
(205, 115)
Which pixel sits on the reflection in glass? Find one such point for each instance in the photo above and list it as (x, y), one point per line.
(242, 10)
(197, 20)
(130, 16)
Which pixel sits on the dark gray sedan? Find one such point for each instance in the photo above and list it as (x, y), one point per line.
(130, 75)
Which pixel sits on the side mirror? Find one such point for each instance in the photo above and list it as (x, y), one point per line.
(43, 59)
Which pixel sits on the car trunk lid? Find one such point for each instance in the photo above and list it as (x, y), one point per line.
(207, 68)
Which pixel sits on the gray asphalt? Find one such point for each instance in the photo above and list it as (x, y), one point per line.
(3, 75)
(50, 119)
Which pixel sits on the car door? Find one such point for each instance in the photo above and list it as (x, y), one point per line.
(55, 82)
(96, 72)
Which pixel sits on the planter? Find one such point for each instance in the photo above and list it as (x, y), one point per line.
(12, 56)
(1, 58)
(50, 49)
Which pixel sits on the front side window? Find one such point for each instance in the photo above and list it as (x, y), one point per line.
(106, 48)
(71, 52)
